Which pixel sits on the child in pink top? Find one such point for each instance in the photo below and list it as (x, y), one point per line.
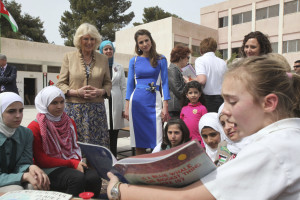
(193, 108)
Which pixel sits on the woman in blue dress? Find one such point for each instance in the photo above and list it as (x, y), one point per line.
(145, 110)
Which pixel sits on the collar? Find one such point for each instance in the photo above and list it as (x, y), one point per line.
(194, 105)
(293, 123)
(15, 137)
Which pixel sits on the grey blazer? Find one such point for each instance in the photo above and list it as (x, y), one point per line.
(176, 85)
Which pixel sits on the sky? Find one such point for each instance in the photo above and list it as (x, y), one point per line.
(50, 12)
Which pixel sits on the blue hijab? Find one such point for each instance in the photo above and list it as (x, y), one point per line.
(102, 45)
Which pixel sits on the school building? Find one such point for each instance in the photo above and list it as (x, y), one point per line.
(227, 22)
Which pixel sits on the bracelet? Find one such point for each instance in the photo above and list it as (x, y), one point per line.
(78, 93)
(115, 192)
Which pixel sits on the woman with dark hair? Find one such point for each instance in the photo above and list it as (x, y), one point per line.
(255, 44)
(179, 58)
(144, 108)
(176, 133)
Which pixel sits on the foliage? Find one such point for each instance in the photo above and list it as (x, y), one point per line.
(153, 14)
(233, 56)
(30, 28)
(107, 15)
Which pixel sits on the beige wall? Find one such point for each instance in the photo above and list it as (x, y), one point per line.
(25, 52)
(289, 30)
(164, 33)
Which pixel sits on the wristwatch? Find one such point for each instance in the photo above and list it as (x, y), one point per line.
(115, 192)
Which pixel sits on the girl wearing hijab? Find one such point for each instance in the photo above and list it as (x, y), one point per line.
(17, 171)
(115, 105)
(233, 143)
(212, 133)
(55, 146)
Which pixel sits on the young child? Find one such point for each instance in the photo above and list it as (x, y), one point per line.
(175, 133)
(55, 146)
(212, 133)
(16, 169)
(233, 143)
(193, 108)
(264, 101)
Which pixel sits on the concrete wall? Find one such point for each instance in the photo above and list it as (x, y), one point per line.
(33, 53)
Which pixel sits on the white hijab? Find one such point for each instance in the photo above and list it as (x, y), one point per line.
(44, 98)
(233, 147)
(7, 98)
(211, 120)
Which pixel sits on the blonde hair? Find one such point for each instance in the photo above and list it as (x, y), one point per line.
(263, 75)
(86, 29)
(280, 58)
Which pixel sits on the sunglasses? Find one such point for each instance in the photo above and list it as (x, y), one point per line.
(296, 66)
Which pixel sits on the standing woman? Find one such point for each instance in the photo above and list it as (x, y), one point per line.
(255, 44)
(115, 113)
(179, 58)
(85, 80)
(143, 107)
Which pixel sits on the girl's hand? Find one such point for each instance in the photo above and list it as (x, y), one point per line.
(37, 178)
(112, 181)
(165, 113)
(81, 167)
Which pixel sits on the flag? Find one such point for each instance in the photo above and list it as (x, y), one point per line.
(8, 16)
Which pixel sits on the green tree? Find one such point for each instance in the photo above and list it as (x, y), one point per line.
(30, 28)
(152, 14)
(106, 15)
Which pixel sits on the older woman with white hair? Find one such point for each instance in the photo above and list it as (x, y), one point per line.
(85, 80)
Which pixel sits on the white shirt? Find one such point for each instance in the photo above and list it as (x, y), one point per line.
(213, 68)
(267, 168)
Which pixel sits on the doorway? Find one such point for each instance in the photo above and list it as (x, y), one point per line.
(29, 90)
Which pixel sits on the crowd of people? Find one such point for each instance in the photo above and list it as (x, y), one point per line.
(244, 114)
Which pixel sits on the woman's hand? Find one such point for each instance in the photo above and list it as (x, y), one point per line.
(90, 92)
(165, 113)
(37, 178)
(112, 181)
(81, 167)
(126, 113)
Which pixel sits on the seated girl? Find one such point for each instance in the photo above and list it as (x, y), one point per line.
(55, 146)
(175, 133)
(233, 143)
(212, 133)
(17, 171)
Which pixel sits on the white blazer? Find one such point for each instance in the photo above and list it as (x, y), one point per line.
(118, 93)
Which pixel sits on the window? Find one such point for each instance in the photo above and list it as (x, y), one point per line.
(224, 53)
(291, 7)
(274, 46)
(223, 22)
(237, 19)
(236, 50)
(196, 51)
(247, 16)
(291, 46)
(267, 12)
(53, 69)
(241, 18)
(274, 11)
(26, 67)
(261, 13)
(180, 43)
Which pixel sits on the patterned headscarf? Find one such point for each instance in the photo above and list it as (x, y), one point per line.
(58, 133)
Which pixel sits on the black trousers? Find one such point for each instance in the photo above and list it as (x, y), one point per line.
(74, 182)
(213, 102)
(113, 139)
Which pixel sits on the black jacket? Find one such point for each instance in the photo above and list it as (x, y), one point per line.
(8, 79)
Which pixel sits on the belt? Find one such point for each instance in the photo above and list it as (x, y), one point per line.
(149, 87)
